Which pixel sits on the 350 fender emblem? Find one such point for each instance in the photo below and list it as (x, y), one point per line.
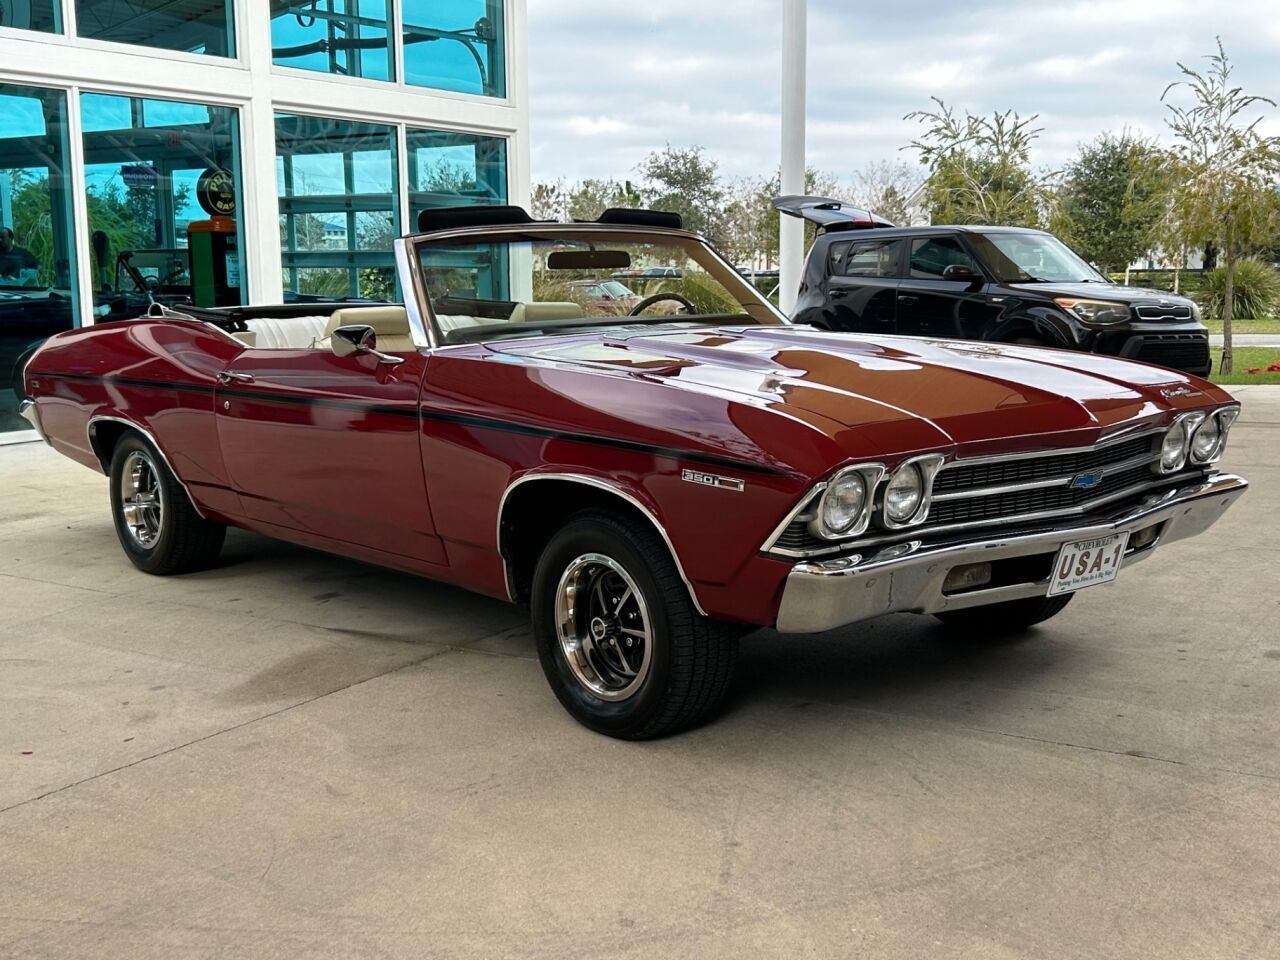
(712, 480)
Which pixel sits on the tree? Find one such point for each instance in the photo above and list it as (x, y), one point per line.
(1113, 196)
(1225, 172)
(980, 167)
(888, 188)
(687, 182)
(589, 198)
(549, 200)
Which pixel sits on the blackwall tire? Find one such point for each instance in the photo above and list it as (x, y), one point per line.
(620, 642)
(1002, 619)
(158, 527)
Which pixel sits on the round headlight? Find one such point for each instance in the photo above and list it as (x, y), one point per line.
(1204, 444)
(1174, 451)
(843, 503)
(903, 494)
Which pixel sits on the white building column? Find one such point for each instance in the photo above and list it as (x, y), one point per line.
(791, 229)
(260, 218)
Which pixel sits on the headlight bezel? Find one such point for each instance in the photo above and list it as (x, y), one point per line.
(1100, 313)
(927, 465)
(1224, 418)
(871, 475)
(1187, 424)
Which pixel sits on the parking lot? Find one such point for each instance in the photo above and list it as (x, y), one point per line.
(296, 755)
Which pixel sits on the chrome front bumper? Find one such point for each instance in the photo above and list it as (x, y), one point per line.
(27, 410)
(908, 577)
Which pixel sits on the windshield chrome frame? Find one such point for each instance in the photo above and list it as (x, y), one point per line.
(421, 310)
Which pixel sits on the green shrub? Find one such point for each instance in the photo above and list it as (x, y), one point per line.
(1256, 287)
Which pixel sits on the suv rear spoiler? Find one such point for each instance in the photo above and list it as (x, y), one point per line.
(827, 213)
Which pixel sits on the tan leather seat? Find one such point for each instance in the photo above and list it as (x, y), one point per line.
(542, 312)
(390, 325)
(286, 333)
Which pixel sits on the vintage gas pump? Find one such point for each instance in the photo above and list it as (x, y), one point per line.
(213, 244)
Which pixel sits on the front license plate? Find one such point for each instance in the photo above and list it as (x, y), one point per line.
(1087, 563)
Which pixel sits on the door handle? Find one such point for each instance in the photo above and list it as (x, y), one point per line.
(907, 298)
(230, 376)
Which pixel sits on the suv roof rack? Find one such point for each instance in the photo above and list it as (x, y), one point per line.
(829, 214)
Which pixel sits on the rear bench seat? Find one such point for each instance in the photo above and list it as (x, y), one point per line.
(284, 333)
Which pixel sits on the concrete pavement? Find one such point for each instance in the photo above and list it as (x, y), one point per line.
(300, 756)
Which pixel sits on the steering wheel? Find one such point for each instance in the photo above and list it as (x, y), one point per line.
(650, 300)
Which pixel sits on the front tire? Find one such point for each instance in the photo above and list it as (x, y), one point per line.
(1012, 616)
(158, 526)
(619, 639)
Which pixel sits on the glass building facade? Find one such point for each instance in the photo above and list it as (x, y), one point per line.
(264, 166)
(39, 293)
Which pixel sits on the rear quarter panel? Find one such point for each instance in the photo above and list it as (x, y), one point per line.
(157, 375)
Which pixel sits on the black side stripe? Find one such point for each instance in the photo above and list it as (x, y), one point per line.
(464, 420)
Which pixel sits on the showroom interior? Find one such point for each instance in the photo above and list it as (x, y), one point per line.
(227, 151)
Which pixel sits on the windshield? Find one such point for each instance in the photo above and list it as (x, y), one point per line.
(547, 280)
(1033, 258)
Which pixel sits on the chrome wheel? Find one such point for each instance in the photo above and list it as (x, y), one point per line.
(603, 626)
(141, 502)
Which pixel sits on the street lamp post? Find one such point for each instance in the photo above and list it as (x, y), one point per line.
(791, 229)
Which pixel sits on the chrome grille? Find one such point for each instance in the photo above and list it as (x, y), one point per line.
(1035, 500)
(960, 476)
(1020, 488)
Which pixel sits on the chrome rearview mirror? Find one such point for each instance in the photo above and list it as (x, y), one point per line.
(359, 338)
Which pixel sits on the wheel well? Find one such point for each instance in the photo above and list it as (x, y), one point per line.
(535, 510)
(103, 437)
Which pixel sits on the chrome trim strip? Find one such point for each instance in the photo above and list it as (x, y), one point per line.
(156, 446)
(910, 578)
(27, 411)
(422, 327)
(601, 485)
(971, 492)
(797, 513)
(1057, 452)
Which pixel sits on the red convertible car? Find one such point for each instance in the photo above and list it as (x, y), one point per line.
(651, 485)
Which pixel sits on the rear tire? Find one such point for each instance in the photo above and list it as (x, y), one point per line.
(619, 639)
(1012, 616)
(158, 526)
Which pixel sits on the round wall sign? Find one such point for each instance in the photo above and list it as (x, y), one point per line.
(216, 192)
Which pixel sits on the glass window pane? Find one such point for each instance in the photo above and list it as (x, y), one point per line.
(344, 37)
(203, 27)
(163, 190)
(38, 294)
(451, 169)
(43, 15)
(455, 45)
(339, 211)
(930, 257)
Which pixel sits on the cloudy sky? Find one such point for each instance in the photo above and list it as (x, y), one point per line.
(612, 80)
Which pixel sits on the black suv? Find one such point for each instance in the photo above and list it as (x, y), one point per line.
(1007, 284)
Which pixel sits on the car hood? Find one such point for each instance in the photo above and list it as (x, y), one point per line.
(906, 393)
(1103, 291)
